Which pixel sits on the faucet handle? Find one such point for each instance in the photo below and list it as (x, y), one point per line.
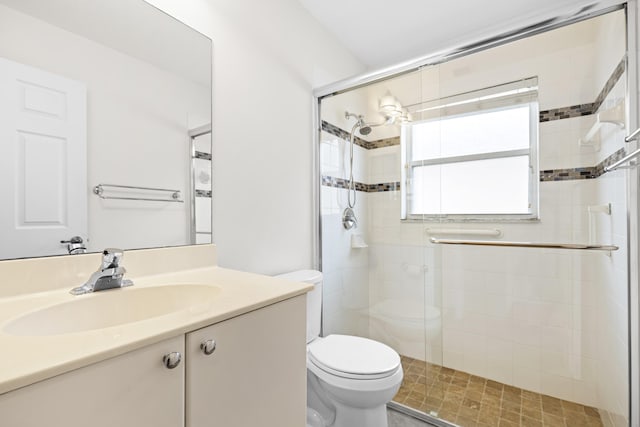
(111, 258)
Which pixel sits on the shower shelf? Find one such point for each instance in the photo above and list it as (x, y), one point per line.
(525, 244)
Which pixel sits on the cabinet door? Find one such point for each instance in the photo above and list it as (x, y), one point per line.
(256, 376)
(132, 390)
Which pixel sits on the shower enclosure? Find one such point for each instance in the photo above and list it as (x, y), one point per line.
(496, 217)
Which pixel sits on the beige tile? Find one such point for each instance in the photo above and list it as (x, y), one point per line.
(494, 384)
(530, 422)
(511, 407)
(473, 395)
(506, 423)
(552, 409)
(469, 400)
(535, 414)
(466, 422)
(510, 416)
(552, 421)
(530, 395)
(592, 412)
(488, 415)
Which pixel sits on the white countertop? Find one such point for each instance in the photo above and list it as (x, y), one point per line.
(28, 359)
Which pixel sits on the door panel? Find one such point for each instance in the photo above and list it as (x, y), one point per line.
(42, 160)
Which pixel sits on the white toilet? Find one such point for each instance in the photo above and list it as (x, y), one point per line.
(349, 379)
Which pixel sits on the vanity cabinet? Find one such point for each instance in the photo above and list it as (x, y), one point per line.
(255, 376)
(131, 390)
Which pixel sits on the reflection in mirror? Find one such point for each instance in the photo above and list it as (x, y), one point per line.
(107, 96)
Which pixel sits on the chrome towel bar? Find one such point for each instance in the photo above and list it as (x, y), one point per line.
(524, 244)
(619, 163)
(634, 135)
(171, 195)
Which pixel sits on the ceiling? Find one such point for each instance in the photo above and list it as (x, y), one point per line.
(382, 33)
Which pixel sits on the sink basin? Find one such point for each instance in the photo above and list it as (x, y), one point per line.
(112, 308)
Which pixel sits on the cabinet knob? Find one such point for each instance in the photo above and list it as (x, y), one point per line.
(172, 360)
(208, 346)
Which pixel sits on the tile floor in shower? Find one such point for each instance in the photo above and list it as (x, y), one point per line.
(470, 401)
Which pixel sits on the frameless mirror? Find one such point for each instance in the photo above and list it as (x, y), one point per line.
(105, 137)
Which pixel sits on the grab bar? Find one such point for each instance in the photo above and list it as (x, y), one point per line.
(634, 135)
(465, 231)
(173, 196)
(623, 160)
(524, 244)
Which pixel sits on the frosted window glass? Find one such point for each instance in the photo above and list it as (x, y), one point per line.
(493, 186)
(481, 132)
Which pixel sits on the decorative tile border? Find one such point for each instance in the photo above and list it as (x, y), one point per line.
(203, 193)
(615, 76)
(367, 145)
(590, 108)
(567, 112)
(343, 134)
(387, 142)
(202, 155)
(581, 173)
(568, 174)
(330, 181)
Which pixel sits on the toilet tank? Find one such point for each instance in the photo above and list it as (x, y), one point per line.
(314, 298)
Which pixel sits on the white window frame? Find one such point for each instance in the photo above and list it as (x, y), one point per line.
(522, 92)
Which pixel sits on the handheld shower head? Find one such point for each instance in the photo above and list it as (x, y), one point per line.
(365, 129)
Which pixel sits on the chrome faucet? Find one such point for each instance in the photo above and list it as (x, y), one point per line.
(108, 276)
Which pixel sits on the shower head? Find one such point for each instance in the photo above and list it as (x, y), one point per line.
(365, 129)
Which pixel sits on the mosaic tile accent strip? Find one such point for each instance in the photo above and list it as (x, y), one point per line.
(330, 181)
(567, 112)
(343, 134)
(615, 76)
(590, 172)
(202, 155)
(203, 193)
(367, 145)
(471, 401)
(586, 109)
(386, 142)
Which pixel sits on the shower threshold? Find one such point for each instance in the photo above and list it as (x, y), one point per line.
(470, 401)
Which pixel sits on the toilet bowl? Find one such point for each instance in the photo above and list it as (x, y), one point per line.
(349, 379)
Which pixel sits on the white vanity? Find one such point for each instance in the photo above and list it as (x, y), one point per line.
(111, 358)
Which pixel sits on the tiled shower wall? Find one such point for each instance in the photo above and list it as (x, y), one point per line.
(548, 321)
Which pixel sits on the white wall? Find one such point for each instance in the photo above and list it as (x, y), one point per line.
(268, 56)
(138, 117)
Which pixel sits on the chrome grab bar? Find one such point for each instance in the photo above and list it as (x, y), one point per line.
(623, 160)
(633, 136)
(524, 244)
(173, 196)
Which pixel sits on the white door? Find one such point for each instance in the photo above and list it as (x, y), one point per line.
(43, 155)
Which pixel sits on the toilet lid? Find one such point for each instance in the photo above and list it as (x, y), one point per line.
(353, 357)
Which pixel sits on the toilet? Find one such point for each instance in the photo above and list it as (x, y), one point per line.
(349, 379)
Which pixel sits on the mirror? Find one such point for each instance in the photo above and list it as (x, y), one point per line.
(106, 133)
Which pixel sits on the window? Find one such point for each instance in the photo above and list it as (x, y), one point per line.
(473, 156)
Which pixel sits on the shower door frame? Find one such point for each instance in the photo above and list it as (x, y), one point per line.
(632, 176)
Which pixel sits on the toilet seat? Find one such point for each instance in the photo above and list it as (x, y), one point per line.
(353, 357)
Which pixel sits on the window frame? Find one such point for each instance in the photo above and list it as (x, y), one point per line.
(534, 175)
